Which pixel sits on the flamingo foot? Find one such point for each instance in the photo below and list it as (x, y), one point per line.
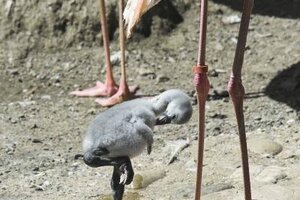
(124, 93)
(100, 90)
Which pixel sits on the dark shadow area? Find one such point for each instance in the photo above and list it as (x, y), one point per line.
(224, 95)
(285, 87)
(276, 8)
(169, 18)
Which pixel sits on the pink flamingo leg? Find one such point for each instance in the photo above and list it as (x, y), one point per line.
(109, 87)
(236, 91)
(124, 92)
(202, 87)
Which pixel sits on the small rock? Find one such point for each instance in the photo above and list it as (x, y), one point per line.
(10, 148)
(289, 110)
(14, 72)
(271, 174)
(56, 78)
(162, 79)
(13, 120)
(46, 97)
(34, 126)
(37, 187)
(26, 103)
(115, 58)
(46, 183)
(91, 111)
(264, 146)
(216, 188)
(218, 116)
(233, 40)
(171, 60)
(146, 72)
(257, 118)
(291, 121)
(36, 169)
(220, 93)
(232, 19)
(36, 141)
(213, 73)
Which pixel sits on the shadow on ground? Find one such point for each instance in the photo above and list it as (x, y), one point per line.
(285, 87)
(169, 15)
(276, 8)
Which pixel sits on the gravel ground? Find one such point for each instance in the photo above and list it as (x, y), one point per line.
(53, 47)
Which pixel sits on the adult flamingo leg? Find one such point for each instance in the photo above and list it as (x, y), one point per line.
(202, 88)
(124, 92)
(236, 91)
(109, 87)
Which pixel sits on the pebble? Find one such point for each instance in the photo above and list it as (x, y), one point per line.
(290, 121)
(232, 19)
(213, 73)
(162, 79)
(271, 174)
(233, 40)
(191, 165)
(14, 72)
(46, 97)
(56, 78)
(33, 126)
(216, 188)
(10, 148)
(26, 103)
(220, 93)
(171, 60)
(115, 58)
(146, 72)
(36, 141)
(41, 187)
(264, 146)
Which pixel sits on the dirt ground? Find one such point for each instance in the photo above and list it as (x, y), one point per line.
(50, 48)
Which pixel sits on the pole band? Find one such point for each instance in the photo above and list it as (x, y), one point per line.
(200, 69)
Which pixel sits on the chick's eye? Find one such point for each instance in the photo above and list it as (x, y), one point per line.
(173, 116)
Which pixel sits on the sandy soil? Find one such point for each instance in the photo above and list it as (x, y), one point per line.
(52, 47)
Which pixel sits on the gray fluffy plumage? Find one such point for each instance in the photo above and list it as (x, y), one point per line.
(126, 129)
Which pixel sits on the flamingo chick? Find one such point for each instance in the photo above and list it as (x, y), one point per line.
(123, 131)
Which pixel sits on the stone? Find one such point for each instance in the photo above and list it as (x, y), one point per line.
(216, 188)
(26, 103)
(232, 19)
(146, 72)
(262, 145)
(271, 174)
(115, 58)
(46, 97)
(162, 79)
